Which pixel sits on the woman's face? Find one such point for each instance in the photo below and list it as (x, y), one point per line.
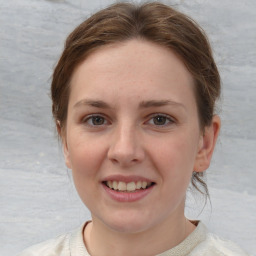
(132, 122)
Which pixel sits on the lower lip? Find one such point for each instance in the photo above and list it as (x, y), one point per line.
(127, 196)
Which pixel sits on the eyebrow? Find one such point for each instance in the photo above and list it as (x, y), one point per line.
(159, 103)
(92, 103)
(144, 104)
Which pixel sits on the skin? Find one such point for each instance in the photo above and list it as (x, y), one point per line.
(118, 84)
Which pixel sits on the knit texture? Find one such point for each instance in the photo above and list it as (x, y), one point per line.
(199, 243)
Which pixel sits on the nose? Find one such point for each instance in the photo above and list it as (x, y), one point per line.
(126, 146)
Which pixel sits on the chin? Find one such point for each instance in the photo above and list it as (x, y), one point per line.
(128, 222)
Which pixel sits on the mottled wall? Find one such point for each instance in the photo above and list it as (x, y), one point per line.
(37, 199)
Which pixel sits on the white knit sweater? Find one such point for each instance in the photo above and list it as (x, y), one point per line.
(199, 243)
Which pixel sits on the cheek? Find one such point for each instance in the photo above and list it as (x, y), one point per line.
(86, 158)
(175, 158)
(86, 155)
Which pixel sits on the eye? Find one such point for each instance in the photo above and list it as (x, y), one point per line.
(161, 120)
(95, 120)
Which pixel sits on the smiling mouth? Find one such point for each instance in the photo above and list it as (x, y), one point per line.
(133, 186)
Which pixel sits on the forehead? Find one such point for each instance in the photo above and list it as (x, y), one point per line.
(135, 66)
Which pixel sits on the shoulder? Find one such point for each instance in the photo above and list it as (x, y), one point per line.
(64, 245)
(214, 245)
(53, 247)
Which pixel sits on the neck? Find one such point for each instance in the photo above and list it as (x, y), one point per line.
(101, 240)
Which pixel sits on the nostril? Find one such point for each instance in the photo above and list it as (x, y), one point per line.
(125, 149)
(115, 161)
(125, 157)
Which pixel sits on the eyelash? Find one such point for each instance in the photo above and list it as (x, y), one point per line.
(105, 122)
(167, 118)
(90, 117)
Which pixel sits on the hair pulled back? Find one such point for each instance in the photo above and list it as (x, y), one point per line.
(154, 22)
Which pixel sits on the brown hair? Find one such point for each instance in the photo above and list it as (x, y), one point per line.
(156, 23)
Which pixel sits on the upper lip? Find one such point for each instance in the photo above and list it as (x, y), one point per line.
(126, 179)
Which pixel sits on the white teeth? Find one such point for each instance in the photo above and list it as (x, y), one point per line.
(144, 184)
(114, 184)
(109, 183)
(131, 186)
(138, 185)
(121, 186)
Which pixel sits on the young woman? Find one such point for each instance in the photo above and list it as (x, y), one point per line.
(133, 99)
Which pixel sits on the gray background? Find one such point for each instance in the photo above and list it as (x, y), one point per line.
(37, 197)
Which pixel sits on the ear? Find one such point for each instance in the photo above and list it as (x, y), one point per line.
(62, 135)
(207, 144)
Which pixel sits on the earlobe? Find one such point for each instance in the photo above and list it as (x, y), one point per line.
(207, 145)
(66, 153)
(58, 127)
(62, 135)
